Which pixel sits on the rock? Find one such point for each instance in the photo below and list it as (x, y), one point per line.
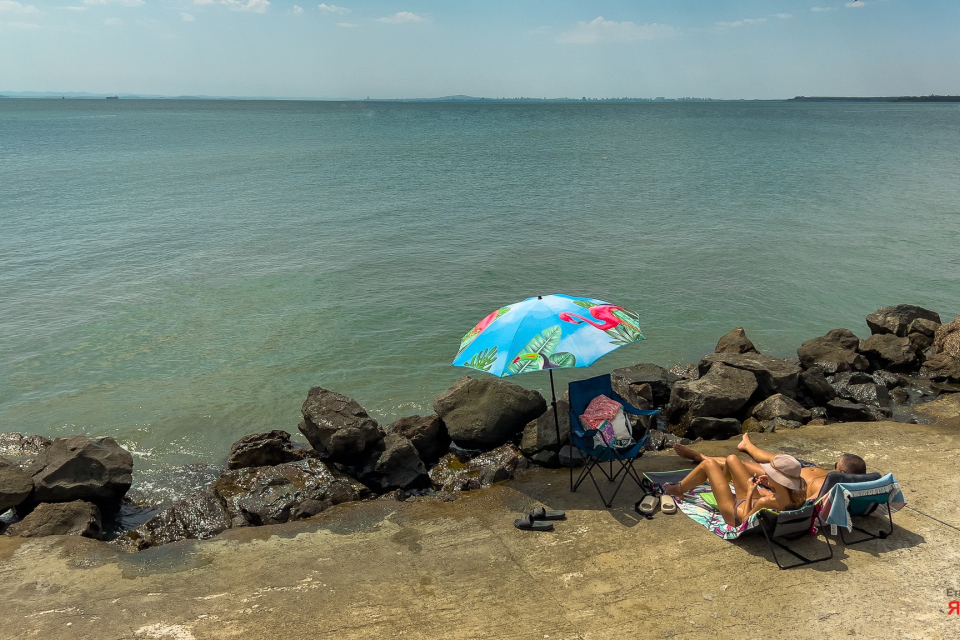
(861, 388)
(773, 375)
(814, 385)
(779, 423)
(752, 425)
(482, 414)
(15, 485)
(888, 379)
(570, 456)
(947, 338)
(735, 342)
(427, 433)
(16, 445)
(81, 468)
(541, 434)
(310, 508)
(846, 411)
(263, 450)
(399, 466)
(887, 351)
(710, 428)
(451, 474)
(833, 353)
(896, 320)
(685, 371)
(338, 428)
(75, 518)
(899, 395)
(721, 393)
(199, 516)
(629, 383)
(919, 343)
(818, 413)
(941, 366)
(817, 422)
(942, 408)
(267, 495)
(780, 406)
(923, 326)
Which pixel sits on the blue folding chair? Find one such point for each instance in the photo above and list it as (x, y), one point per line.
(846, 496)
(596, 450)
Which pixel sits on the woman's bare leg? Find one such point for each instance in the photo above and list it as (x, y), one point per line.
(709, 471)
(753, 450)
(696, 456)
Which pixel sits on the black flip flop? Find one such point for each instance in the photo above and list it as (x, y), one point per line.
(527, 523)
(540, 513)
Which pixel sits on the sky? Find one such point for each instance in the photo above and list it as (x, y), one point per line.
(521, 48)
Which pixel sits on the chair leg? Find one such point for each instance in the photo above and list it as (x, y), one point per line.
(881, 534)
(804, 561)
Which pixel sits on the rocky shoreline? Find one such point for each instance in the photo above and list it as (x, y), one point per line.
(483, 432)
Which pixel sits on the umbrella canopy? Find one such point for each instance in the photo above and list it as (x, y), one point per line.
(547, 332)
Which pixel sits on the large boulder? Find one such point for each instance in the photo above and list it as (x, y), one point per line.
(399, 466)
(452, 474)
(81, 468)
(897, 319)
(710, 428)
(780, 406)
(847, 411)
(338, 428)
(735, 342)
(833, 353)
(942, 366)
(720, 393)
(266, 495)
(427, 433)
(483, 414)
(947, 338)
(773, 375)
(887, 351)
(540, 435)
(15, 485)
(634, 384)
(263, 450)
(199, 516)
(76, 518)
(815, 387)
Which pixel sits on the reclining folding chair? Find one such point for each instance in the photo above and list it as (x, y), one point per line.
(846, 496)
(791, 526)
(594, 449)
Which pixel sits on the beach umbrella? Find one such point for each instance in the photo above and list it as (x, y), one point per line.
(547, 332)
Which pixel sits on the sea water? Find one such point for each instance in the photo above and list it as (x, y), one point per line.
(177, 274)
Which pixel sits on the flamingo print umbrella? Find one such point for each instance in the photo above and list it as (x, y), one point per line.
(547, 332)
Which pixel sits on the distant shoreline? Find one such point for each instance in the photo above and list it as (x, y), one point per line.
(474, 99)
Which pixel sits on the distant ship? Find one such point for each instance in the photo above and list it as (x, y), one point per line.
(113, 97)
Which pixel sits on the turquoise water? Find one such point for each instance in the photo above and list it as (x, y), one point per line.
(178, 274)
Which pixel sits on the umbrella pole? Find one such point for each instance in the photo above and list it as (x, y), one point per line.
(556, 418)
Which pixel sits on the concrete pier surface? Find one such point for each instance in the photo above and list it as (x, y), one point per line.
(427, 569)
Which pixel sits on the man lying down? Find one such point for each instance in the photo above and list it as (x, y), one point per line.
(812, 475)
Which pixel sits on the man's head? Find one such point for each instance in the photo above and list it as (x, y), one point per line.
(850, 463)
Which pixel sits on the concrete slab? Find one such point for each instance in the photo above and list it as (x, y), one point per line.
(427, 569)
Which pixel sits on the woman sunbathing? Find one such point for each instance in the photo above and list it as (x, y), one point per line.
(786, 490)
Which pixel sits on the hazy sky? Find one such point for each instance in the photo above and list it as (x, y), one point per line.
(425, 48)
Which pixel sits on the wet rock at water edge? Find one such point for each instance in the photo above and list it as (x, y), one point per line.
(685, 371)
(861, 388)
(264, 449)
(199, 516)
(630, 383)
(835, 352)
(19, 446)
(897, 319)
(15, 485)
(452, 474)
(539, 441)
(427, 433)
(736, 341)
(815, 387)
(267, 495)
(399, 466)
(482, 414)
(76, 518)
(338, 428)
(81, 468)
(774, 375)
